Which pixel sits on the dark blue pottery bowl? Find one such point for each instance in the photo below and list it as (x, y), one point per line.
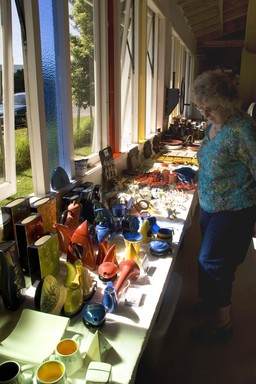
(160, 248)
(133, 236)
(94, 314)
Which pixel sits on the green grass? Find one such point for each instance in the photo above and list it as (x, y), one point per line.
(82, 139)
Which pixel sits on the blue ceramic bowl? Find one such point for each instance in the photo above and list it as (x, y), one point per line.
(133, 236)
(94, 314)
(160, 248)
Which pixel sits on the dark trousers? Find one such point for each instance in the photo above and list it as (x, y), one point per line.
(226, 237)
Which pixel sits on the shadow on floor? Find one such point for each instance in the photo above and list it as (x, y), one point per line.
(184, 362)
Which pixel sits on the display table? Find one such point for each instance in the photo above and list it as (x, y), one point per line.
(127, 331)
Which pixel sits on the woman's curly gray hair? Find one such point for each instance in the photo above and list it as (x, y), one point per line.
(215, 88)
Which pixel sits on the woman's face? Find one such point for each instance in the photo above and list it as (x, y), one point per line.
(214, 114)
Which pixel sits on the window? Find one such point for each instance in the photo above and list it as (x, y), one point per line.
(88, 75)
(7, 136)
(152, 68)
(128, 79)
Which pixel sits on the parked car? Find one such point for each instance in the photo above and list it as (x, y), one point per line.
(20, 110)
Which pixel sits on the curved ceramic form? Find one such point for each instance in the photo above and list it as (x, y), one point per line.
(160, 248)
(107, 271)
(110, 297)
(94, 314)
(81, 247)
(129, 270)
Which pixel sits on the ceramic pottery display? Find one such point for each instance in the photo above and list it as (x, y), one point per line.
(68, 352)
(46, 207)
(107, 271)
(146, 232)
(110, 298)
(28, 230)
(165, 234)
(43, 257)
(81, 167)
(86, 283)
(13, 212)
(130, 223)
(102, 251)
(129, 269)
(11, 372)
(102, 231)
(160, 248)
(118, 210)
(94, 315)
(59, 178)
(74, 297)
(12, 282)
(48, 296)
(153, 225)
(132, 242)
(70, 216)
(81, 247)
(65, 230)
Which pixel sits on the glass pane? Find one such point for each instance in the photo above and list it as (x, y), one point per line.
(24, 185)
(150, 72)
(82, 75)
(48, 27)
(2, 157)
(127, 72)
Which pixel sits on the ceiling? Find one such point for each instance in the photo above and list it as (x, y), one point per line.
(216, 23)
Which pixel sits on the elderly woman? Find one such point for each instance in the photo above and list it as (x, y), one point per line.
(227, 198)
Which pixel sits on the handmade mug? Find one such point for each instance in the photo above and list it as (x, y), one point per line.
(12, 373)
(51, 371)
(68, 352)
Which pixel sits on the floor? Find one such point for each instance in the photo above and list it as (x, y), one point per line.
(181, 361)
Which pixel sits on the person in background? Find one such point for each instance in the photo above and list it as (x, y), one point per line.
(227, 199)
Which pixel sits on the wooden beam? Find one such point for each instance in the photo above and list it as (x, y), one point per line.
(221, 14)
(221, 44)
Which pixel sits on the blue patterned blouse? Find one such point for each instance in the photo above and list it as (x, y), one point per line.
(227, 166)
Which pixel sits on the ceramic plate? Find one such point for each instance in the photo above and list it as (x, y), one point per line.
(34, 338)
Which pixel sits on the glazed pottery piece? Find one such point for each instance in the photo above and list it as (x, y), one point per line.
(81, 247)
(64, 236)
(130, 223)
(160, 248)
(102, 251)
(129, 270)
(146, 232)
(107, 271)
(132, 242)
(68, 352)
(51, 371)
(59, 178)
(102, 231)
(48, 296)
(110, 298)
(94, 314)
(12, 373)
(111, 255)
(86, 283)
(74, 301)
(153, 224)
(165, 234)
(119, 210)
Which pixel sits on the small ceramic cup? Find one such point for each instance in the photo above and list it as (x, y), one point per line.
(51, 371)
(68, 352)
(12, 373)
(165, 234)
(132, 242)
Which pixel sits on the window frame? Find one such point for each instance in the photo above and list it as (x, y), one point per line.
(8, 187)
